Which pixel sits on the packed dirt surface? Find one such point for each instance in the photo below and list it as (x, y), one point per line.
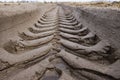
(59, 42)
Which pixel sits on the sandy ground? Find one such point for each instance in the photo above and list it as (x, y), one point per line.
(58, 42)
(14, 9)
(18, 17)
(105, 22)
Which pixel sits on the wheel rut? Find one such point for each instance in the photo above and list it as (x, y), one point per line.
(56, 47)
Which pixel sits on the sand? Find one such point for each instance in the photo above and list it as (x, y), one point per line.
(58, 42)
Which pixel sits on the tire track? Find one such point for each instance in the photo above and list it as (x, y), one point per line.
(57, 47)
